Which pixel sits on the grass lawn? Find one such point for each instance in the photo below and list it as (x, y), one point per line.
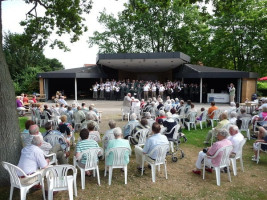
(181, 182)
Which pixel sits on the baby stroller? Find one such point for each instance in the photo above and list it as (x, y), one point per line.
(174, 144)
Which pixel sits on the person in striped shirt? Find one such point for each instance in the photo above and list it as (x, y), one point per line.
(82, 146)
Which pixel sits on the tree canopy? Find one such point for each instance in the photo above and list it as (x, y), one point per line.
(232, 36)
(25, 61)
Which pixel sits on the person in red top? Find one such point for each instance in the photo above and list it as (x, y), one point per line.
(34, 99)
(25, 99)
(161, 115)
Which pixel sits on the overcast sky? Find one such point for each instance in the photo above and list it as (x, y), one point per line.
(13, 11)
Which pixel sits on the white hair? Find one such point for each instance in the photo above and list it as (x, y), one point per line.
(223, 132)
(169, 115)
(161, 113)
(133, 116)
(232, 104)
(37, 140)
(117, 132)
(148, 115)
(234, 127)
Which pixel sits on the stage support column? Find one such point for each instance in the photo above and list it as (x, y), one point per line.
(239, 84)
(200, 93)
(75, 88)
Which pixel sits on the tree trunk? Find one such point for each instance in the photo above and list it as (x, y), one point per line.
(10, 141)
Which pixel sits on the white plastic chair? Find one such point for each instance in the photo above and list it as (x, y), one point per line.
(47, 118)
(259, 149)
(215, 117)
(203, 119)
(126, 112)
(245, 125)
(58, 180)
(21, 183)
(143, 133)
(118, 161)
(225, 162)
(91, 156)
(239, 155)
(257, 121)
(52, 157)
(106, 140)
(192, 120)
(161, 151)
(38, 119)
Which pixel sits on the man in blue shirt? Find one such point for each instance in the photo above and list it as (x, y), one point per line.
(152, 142)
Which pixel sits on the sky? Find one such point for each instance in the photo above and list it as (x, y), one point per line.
(13, 11)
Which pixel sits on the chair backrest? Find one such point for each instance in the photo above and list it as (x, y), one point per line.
(91, 156)
(57, 175)
(226, 126)
(37, 114)
(245, 123)
(13, 170)
(33, 114)
(161, 152)
(118, 155)
(93, 137)
(216, 114)
(143, 135)
(192, 116)
(204, 116)
(240, 149)
(175, 129)
(46, 115)
(225, 151)
(54, 139)
(181, 110)
(107, 139)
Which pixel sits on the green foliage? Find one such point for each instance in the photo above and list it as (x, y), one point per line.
(233, 37)
(25, 61)
(262, 85)
(60, 17)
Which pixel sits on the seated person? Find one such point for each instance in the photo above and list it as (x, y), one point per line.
(90, 119)
(63, 143)
(93, 134)
(210, 151)
(224, 121)
(211, 110)
(187, 107)
(84, 145)
(130, 125)
(150, 121)
(232, 118)
(109, 133)
(152, 142)
(169, 123)
(199, 118)
(162, 128)
(117, 142)
(65, 127)
(232, 108)
(236, 138)
(93, 113)
(62, 101)
(262, 137)
(241, 115)
(161, 115)
(135, 135)
(187, 115)
(32, 159)
(20, 107)
(28, 123)
(79, 115)
(49, 115)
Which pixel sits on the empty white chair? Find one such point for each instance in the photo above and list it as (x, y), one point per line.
(245, 125)
(59, 178)
(125, 112)
(118, 161)
(91, 156)
(224, 163)
(160, 160)
(24, 184)
(192, 120)
(239, 155)
(52, 157)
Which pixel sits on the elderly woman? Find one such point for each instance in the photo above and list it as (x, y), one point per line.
(135, 132)
(93, 134)
(130, 125)
(210, 151)
(262, 137)
(90, 119)
(169, 123)
(161, 115)
(117, 142)
(224, 121)
(65, 127)
(232, 118)
(20, 107)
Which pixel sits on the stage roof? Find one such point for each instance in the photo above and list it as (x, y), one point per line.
(143, 62)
